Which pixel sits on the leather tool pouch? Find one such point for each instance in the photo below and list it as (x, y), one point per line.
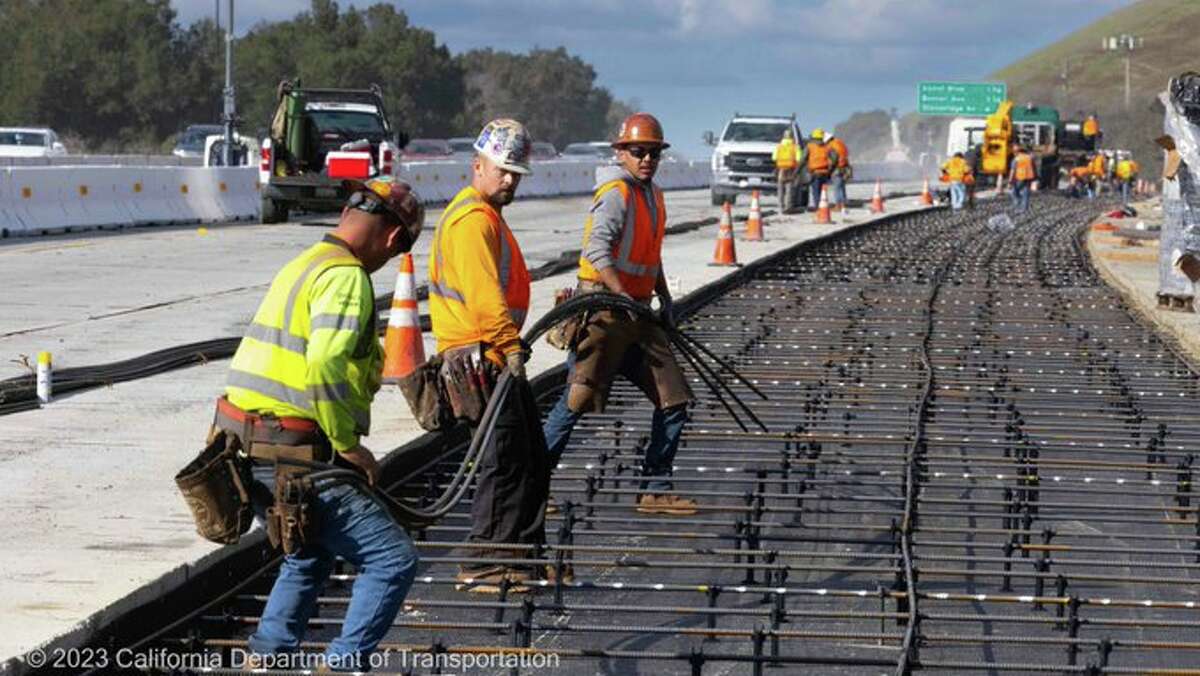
(427, 397)
(291, 520)
(562, 334)
(215, 486)
(468, 378)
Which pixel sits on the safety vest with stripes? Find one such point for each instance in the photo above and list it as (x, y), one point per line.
(478, 282)
(637, 255)
(311, 350)
(1023, 167)
(1098, 166)
(843, 153)
(818, 158)
(1126, 169)
(786, 155)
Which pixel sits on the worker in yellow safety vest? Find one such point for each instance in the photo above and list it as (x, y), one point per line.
(478, 301)
(1126, 172)
(841, 173)
(787, 157)
(1098, 169)
(1091, 132)
(1021, 178)
(957, 173)
(821, 162)
(622, 254)
(300, 388)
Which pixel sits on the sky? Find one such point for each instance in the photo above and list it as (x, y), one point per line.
(693, 63)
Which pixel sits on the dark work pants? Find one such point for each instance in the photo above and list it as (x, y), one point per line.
(513, 480)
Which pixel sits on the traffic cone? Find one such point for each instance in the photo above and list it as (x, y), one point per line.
(823, 207)
(754, 224)
(725, 253)
(926, 197)
(877, 198)
(403, 348)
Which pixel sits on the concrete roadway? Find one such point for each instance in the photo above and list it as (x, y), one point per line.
(87, 480)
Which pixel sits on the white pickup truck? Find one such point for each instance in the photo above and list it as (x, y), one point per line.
(30, 142)
(741, 159)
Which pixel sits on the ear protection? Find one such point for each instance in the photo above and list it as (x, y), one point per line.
(366, 201)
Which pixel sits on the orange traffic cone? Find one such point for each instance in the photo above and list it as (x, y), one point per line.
(725, 253)
(754, 224)
(926, 198)
(877, 198)
(823, 207)
(403, 348)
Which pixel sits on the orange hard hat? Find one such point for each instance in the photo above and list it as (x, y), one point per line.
(641, 128)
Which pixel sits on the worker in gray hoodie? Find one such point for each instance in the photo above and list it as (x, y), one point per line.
(622, 254)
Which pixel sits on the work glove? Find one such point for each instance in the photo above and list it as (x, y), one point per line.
(515, 363)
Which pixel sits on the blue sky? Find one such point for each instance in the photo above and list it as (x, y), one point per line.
(694, 62)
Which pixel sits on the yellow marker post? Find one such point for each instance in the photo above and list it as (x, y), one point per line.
(45, 380)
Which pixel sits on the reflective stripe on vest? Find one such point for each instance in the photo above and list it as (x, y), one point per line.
(1024, 168)
(439, 286)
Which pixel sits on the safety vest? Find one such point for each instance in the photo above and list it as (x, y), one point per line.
(462, 307)
(956, 169)
(839, 146)
(1126, 169)
(637, 255)
(785, 155)
(1091, 127)
(1097, 166)
(271, 373)
(1023, 167)
(818, 158)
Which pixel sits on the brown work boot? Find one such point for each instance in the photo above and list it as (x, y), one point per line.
(666, 504)
(552, 576)
(488, 580)
(551, 506)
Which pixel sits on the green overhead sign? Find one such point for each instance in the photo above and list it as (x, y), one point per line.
(960, 98)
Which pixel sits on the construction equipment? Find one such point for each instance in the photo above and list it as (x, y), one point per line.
(997, 141)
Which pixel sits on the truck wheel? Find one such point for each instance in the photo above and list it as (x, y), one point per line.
(273, 212)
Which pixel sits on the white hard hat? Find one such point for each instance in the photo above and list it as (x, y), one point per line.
(507, 143)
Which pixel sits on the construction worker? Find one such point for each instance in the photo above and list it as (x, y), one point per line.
(622, 253)
(1098, 171)
(478, 299)
(1081, 177)
(1091, 132)
(300, 387)
(787, 158)
(1126, 172)
(841, 171)
(821, 161)
(958, 174)
(1021, 177)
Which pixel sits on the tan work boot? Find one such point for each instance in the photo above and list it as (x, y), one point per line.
(488, 580)
(666, 504)
(551, 506)
(568, 574)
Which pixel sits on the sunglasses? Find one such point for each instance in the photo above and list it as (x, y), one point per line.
(638, 152)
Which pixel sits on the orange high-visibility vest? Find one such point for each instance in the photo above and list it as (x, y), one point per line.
(637, 255)
(839, 147)
(818, 158)
(1023, 164)
(1090, 126)
(1097, 166)
(478, 282)
(785, 154)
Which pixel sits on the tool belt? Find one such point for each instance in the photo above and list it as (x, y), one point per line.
(562, 334)
(216, 488)
(427, 397)
(468, 378)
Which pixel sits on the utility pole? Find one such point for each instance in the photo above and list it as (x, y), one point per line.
(1126, 43)
(230, 107)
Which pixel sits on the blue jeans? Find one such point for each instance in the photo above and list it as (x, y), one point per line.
(354, 526)
(837, 189)
(1126, 189)
(815, 186)
(666, 428)
(958, 194)
(1020, 195)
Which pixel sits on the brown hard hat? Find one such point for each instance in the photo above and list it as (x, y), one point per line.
(640, 128)
(392, 195)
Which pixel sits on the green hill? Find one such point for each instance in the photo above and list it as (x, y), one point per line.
(1076, 75)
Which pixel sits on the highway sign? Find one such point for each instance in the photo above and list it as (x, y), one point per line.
(960, 98)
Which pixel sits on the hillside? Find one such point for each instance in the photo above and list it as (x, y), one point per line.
(1076, 76)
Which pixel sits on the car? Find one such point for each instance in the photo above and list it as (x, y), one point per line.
(428, 149)
(596, 150)
(741, 158)
(543, 151)
(30, 142)
(319, 139)
(190, 142)
(462, 146)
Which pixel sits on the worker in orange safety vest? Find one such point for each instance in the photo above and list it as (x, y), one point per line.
(478, 300)
(841, 172)
(821, 162)
(1021, 177)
